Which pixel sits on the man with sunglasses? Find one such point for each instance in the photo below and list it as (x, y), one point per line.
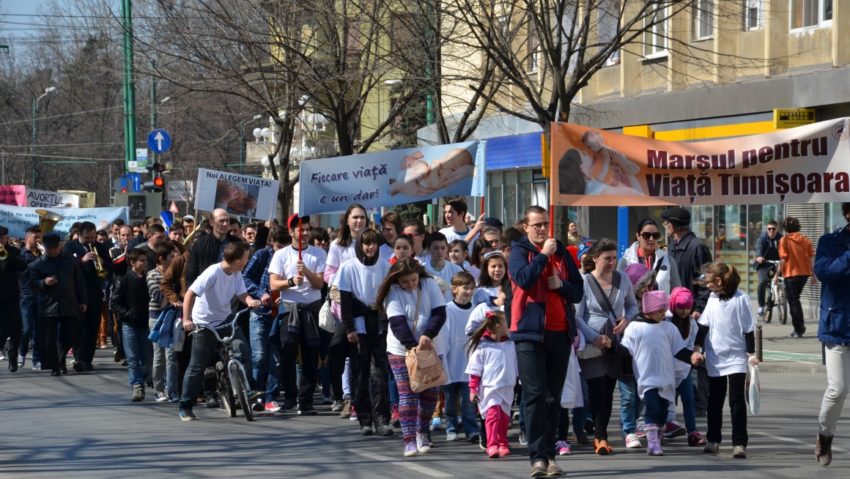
(545, 283)
(767, 250)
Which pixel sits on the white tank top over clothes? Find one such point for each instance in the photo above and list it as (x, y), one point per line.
(451, 342)
(728, 322)
(653, 346)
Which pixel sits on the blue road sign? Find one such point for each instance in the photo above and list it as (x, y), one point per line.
(159, 141)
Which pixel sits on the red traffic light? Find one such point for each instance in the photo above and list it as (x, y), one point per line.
(158, 182)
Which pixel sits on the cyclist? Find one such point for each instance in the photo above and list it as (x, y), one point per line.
(206, 306)
(767, 249)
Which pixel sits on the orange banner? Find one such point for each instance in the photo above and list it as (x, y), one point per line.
(808, 164)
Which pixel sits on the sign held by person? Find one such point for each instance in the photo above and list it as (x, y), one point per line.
(240, 195)
(808, 164)
(51, 199)
(390, 178)
(18, 219)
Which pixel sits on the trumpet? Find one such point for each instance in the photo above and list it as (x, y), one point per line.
(195, 232)
(98, 264)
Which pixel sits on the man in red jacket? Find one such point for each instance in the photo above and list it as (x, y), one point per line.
(545, 283)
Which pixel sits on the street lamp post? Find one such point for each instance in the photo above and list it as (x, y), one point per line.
(242, 140)
(47, 91)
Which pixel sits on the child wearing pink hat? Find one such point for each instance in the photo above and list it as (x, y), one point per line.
(651, 341)
(679, 314)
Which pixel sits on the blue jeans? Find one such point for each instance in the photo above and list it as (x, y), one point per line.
(630, 404)
(656, 407)
(137, 349)
(686, 393)
(29, 315)
(265, 354)
(467, 411)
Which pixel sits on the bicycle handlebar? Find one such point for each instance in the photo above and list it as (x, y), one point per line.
(228, 323)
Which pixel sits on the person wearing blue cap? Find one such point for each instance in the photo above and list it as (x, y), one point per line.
(59, 279)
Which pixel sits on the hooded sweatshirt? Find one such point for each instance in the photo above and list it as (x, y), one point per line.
(796, 251)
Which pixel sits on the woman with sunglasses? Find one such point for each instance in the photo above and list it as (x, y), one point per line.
(645, 250)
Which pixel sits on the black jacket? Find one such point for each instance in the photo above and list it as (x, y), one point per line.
(94, 285)
(63, 298)
(767, 248)
(690, 254)
(10, 268)
(130, 300)
(206, 251)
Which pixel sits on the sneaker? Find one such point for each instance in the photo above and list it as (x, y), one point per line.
(474, 439)
(522, 439)
(640, 432)
(212, 402)
(395, 419)
(739, 452)
(761, 311)
(258, 406)
(539, 469)
(78, 366)
(493, 452)
(345, 412)
(289, 404)
(410, 449)
(186, 414)
(336, 406)
(482, 442)
(36, 365)
(2, 355)
(271, 407)
(423, 444)
(309, 411)
(173, 397)
(436, 423)
(384, 431)
(138, 393)
(326, 400)
(695, 439)
(632, 441)
(673, 429)
(563, 448)
(160, 396)
(711, 448)
(22, 360)
(366, 430)
(353, 416)
(451, 436)
(581, 438)
(554, 470)
(504, 451)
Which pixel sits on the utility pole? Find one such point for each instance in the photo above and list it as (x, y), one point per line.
(129, 86)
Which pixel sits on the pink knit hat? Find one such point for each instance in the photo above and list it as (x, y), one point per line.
(681, 298)
(653, 301)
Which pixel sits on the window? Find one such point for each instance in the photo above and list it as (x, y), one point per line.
(655, 32)
(533, 49)
(810, 13)
(703, 19)
(609, 27)
(752, 14)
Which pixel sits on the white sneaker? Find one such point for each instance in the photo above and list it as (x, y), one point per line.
(160, 396)
(632, 441)
(21, 361)
(761, 311)
(423, 445)
(451, 436)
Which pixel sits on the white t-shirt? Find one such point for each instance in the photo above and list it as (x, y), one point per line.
(337, 255)
(215, 289)
(653, 346)
(445, 274)
(683, 369)
(403, 303)
(284, 264)
(451, 342)
(451, 235)
(363, 282)
(385, 252)
(496, 364)
(728, 322)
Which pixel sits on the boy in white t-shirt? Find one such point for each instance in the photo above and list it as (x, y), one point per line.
(437, 265)
(206, 306)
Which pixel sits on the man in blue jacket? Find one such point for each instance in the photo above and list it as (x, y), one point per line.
(546, 283)
(832, 268)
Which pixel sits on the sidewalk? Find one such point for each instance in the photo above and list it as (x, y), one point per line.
(782, 353)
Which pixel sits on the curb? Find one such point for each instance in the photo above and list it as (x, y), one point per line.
(792, 367)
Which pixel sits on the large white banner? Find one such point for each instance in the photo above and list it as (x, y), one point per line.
(51, 199)
(240, 195)
(19, 218)
(393, 177)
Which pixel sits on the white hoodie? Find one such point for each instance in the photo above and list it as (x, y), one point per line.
(668, 275)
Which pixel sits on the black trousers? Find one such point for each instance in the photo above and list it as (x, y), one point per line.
(58, 336)
(85, 341)
(542, 370)
(601, 392)
(737, 404)
(370, 372)
(338, 350)
(291, 349)
(764, 283)
(11, 326)
(793, 290)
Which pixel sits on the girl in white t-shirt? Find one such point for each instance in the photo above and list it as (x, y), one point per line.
(493, 373)
(729, 346)
(458, 254)
(416, 310)
(651, 341)
(493, 277)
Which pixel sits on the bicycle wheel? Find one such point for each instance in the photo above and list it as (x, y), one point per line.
(225, 392)
(782, 304)
(241, 391)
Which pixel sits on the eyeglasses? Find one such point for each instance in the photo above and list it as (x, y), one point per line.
(771, 229)
(648, 236)
(540, 226)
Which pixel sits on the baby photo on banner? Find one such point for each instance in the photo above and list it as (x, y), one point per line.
(391, 177)
(240, 195)
(807, 164)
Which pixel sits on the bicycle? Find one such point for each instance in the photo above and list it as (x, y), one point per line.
(231, 379)
(776, 295)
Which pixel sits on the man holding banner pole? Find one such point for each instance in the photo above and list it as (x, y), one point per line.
(545, 283)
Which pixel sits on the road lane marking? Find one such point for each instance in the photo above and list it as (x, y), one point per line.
(417, 468)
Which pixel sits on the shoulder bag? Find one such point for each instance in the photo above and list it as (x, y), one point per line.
(424, 367)
(590, 351)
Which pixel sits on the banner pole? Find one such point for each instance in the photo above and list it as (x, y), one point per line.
(300, 238)
(482, 205)
(547, 151)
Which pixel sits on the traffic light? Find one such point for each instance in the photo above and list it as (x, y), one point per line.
(157, 182)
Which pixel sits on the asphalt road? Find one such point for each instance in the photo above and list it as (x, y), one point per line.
(84, 426)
